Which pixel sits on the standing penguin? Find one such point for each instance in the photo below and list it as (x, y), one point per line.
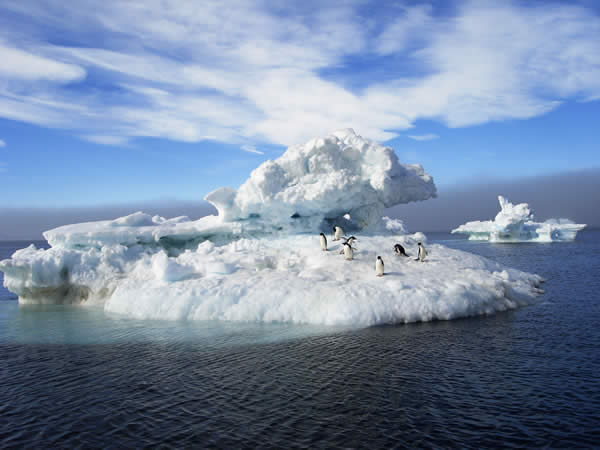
(379, 266)
(338, 232)
(323, 240)
(422, 253)
(348, 252)
(400, 250)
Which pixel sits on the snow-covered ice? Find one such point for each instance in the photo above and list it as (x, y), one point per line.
(286, 279)
(314, 185)
(260, 259)
(515, 223)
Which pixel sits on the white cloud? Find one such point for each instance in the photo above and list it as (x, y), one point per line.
(23, 65)
(246, 73)
(480, 72)
(411, 26)
(423, 137)
(251, 149)
(106, 140)
(2, 143)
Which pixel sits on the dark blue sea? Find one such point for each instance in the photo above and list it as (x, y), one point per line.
(75, 377)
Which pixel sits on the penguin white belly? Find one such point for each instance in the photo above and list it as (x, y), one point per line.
(379, 267)
(323, 243)
(338, 233)
(348, 253)
(422, 253)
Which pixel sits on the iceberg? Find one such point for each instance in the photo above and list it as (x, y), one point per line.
(515, 223)
(260, 258)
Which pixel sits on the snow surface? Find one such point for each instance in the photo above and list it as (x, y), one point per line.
(260, 259)
(515, 223)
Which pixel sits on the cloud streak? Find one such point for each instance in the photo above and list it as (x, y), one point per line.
(423, 137)
(251, 149)
(253, 73)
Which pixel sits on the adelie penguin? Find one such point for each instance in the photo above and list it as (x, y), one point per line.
(379, 266)
(399, 250)
(422, 253)
(338, 232)
(349, 240)
(348, 252)
(323, 240)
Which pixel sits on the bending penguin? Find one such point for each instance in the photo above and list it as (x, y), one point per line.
(349, 240)
(400, 250)
(422, 253)
(338, 232)
(348, 252)
(323, 240)
(379, 266)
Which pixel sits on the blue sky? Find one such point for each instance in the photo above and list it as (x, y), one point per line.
(114, 102)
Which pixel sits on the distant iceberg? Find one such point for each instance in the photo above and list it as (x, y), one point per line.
(260, 258)
(515, 223)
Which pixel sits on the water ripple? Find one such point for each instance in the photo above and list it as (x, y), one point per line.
(385, 387)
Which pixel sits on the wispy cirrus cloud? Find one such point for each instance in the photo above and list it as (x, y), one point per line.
(2, 143)
(27, 66)
(423, 137)
(251, 149)
(251, 72)
(106, 139)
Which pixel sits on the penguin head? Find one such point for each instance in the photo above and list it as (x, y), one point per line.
(418, 243)
(322, 234)
(379, 257)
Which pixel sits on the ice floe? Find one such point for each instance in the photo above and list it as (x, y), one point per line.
(260, 259)
(515, 223)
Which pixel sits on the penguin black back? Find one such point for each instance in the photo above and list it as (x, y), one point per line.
(399, 250)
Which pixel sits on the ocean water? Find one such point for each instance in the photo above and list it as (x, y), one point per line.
(73, 376)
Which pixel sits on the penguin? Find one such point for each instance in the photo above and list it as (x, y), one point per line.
(422, 253)
(338, 232)
(323, 240)
(349, 240)
(379, 266)
(348, 252)
(400, 250)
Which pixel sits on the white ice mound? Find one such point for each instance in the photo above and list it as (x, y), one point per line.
(286, 279)
(515, 223)
(313, 185)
